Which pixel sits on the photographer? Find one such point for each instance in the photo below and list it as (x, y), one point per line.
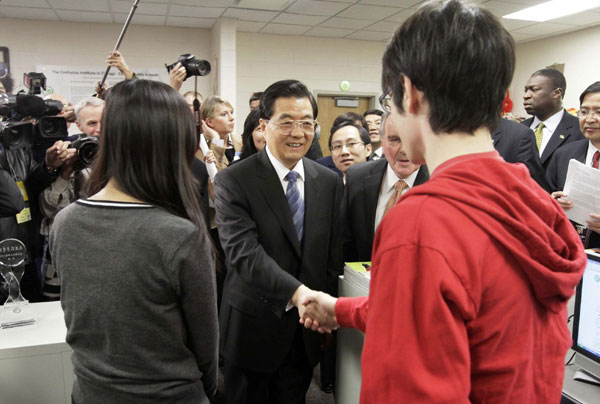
(11, 201)
(67, 188)
(32, 178)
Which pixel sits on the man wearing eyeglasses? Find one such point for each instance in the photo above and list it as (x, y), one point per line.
(350, 144)
(372, 189)
(552, 125)
(586, 151)
(277, 215)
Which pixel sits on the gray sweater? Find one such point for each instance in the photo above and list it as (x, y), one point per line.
(139, 297)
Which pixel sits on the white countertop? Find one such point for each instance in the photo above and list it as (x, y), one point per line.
(47, 335)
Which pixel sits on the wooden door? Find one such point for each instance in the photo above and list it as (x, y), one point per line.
(328, 111)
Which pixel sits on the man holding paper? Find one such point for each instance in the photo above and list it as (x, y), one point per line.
(584, 151)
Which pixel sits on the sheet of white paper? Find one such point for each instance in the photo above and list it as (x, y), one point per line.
(210, 167)
(583, 187)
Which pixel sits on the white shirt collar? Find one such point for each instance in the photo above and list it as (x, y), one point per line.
(590, 153)
(282, 170)
(378, 152)
(550, 123)
(392, 178)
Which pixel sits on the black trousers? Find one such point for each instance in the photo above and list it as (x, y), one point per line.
(287, 385)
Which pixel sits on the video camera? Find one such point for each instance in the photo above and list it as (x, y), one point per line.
(17, 133)
(193, 66)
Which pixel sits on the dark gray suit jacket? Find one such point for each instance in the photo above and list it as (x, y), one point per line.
(363, 182)
(516, 144)
(266, 262)
(566, 132)
(557, 171)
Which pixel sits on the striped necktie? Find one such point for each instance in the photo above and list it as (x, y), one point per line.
(296, 202)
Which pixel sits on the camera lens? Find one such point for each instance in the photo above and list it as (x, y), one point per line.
(87, 152)
(197, 67)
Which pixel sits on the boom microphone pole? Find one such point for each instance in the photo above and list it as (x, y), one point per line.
(121, 35)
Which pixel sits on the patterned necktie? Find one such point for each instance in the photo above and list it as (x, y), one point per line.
(588, 232)
(296, 202)
(539, 135)
(400, 186)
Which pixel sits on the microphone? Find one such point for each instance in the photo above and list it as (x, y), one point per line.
(30, 105)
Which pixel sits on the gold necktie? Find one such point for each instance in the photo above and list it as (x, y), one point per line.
(539, 135)
(400, 186)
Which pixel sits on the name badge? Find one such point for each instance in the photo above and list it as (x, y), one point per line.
(24, 216)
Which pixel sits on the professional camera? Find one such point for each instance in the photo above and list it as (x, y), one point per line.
(86, 146)
(34, 82)
(193, 66)
(17, 133)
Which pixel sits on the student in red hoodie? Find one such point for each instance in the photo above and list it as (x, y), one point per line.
(472, 270)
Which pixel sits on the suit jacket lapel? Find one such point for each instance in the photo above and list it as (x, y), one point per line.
(422, 176)
(311, 199)
(581, 154)
(372, 186)
(560, 135)
(270, 186)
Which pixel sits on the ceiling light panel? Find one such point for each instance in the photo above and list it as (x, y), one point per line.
(311, 7)
(274, 5)
(553, 9)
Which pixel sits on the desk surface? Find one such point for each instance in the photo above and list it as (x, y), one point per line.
(49, 331)
(578, 391)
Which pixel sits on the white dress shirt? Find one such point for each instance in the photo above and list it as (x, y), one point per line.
(282, 171)
(550, 125)
(590, 153)
(377, 154)
(387, 189)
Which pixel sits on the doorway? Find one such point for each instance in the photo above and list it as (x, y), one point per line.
(329, 110)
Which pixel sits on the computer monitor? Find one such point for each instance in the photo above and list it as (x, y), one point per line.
(586, 326)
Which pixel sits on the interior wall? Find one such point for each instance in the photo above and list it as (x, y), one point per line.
(577, 50)
(320, 63)
(87, 44)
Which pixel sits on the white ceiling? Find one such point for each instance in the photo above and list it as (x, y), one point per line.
(373, 20)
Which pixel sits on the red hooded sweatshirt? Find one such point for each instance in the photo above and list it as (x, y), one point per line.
(471, 275)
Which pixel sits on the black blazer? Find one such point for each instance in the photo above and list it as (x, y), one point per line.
(359, 206)
(200, 173)
(566, 132)
(557, 172)
(557, 169)
(327, 161)
(266, 262)
(516, 144)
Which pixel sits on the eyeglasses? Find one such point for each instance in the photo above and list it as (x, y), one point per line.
(385, 100)
(583, 113)
(350, 145)
(307, 126)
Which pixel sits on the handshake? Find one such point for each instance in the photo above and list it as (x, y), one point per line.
(316, 309)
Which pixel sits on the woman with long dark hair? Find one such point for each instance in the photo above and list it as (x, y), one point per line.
(135, 260)
(253, 138)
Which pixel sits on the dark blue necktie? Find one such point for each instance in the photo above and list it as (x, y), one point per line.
(296, 202)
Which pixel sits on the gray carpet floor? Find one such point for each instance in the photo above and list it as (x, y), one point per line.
(314, 395)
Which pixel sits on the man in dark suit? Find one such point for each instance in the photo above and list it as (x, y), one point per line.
(553, 126)
(516, 144)
(585, 151)
(370, 189)
(278, 220)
